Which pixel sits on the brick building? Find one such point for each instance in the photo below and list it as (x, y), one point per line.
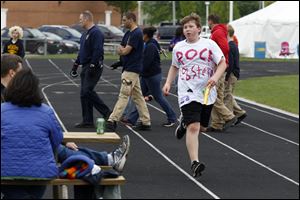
(37, 13)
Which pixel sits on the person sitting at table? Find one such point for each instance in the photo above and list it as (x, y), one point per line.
(30, 134)
(116, 158)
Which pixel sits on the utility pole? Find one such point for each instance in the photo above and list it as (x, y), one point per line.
(230, 11)
(174, 13)
(207, 11)
(139, 13)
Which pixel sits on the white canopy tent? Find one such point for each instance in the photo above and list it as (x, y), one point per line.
(276, 23)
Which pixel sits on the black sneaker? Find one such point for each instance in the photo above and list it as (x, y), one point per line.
(180, 130)
(197, 168)
(120, 154)
(84, 125)
(229, 123)
(110, 126)
(142, 127)
(168, 124)
(240, 119)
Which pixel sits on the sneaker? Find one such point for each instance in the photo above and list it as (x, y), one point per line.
(229, 123)
(84, 125)
(240, 119)
(168, 124)
(197, 168)
(120, 154)
(180, 130)
(142, 127)
(110, 126)
(126, 122)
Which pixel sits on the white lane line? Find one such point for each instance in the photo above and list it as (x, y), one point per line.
(269, 113)
(63, 72)
(174, 164)
(49, 103)
(268, 107)
(274, 135)
(28, 64)
(244, 155)
(168, 159)
(259, 129)
(249, 158)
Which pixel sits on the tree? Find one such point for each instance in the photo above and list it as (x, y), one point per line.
(248, 7)
(221, 8)
(198, 7)
(158, 11)
(122, 6)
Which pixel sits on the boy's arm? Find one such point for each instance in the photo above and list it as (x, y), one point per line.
(219, 72)
(171, 76)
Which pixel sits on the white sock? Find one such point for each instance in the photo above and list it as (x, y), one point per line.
(110, 159)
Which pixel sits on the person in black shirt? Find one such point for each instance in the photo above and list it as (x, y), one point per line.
(151, 77)
(131, 52)
(10, 65)
(232, 75)
(15, 44)
(90, 57)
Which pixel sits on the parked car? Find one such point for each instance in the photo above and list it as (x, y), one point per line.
(111, 33)
(166, 32)
(34, 41)
(65, 32)
(66, 46)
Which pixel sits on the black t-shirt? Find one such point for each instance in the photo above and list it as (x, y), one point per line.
(14, 48)
(132, 62)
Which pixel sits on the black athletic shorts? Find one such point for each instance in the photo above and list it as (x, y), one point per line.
(196, 112)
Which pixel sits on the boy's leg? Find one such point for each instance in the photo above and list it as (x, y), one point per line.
(192, 141)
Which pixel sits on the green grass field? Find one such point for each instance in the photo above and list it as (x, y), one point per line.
(277, 91)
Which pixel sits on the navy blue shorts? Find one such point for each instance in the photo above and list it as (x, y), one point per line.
(196, 112)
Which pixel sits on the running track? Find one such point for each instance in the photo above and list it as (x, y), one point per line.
(258, 159)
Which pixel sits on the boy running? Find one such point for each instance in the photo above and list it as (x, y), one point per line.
(200, 63)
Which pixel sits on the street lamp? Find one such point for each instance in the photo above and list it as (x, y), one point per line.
(207, 5)
(174, 12)
(140, 21)
(230, 11)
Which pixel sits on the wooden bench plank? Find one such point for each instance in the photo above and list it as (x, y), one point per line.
(106, 181)
(108, 137)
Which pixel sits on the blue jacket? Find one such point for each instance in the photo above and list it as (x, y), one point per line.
(91, 47)
(151, 61)
(29, 135)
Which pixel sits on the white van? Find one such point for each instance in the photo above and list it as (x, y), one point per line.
(205, 32)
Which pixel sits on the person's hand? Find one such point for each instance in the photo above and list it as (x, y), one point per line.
(72, 145)
(73, 72)
(211, 82)
(116, 65)
(119, 50)
(166, 89)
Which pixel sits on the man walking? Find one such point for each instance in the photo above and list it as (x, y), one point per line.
(221, 117)
(91, 58)
(131, 52)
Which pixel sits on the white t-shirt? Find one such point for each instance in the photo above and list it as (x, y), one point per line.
(196, 63)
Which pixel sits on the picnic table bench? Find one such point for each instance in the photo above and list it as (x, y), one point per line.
(59, 183)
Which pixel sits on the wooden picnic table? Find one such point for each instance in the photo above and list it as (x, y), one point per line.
(108, 137)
